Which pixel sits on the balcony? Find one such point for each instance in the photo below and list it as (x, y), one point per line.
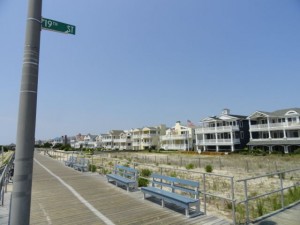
(120, 140)
(107, 140)
(136, 136)
(275, 126)
(148, 135)
(218, 142)
(136, 144)
(175, 147)
(175, 137)
(202, 130)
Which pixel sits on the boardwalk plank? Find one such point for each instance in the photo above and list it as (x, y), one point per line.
(53, 203)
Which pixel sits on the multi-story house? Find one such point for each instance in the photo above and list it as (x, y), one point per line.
(226, 132)
(124, 141)
(178, 137)
(111, 139)
(275, 131)
(147, 137)
(90, 141)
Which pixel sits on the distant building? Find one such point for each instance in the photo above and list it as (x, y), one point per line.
(225, 132)
(110, 141)
(178, 137)
(147, 137)
(275, 131)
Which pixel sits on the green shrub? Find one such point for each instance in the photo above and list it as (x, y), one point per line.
(208, 168)
(145, 173)
(190, 166)
(143, 182)
(173, 174)
(92, 168)
(260, 207)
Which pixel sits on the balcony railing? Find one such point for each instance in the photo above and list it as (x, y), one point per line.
(218, 142)
(136, 136)
(175, 137)
(274, 126)
(135, 144)
(175, 147)
(201, 130)
(148, 135)
(276, 139)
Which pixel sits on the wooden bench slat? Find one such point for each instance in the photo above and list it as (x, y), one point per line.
(124, 175)
(174, 190)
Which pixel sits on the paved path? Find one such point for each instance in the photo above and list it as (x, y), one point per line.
(61, 195)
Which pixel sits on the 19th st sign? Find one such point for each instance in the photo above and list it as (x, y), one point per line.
(48, 24)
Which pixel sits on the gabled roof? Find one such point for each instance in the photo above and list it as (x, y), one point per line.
(115, 132)
(223, 117)
(277, 113)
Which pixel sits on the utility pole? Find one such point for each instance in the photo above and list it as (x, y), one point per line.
(21, 195)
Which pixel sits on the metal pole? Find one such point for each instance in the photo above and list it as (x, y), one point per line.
(21, 195)
(232, 200)
(281, 190)
(246, 202)
(204, 192)
(2, 155)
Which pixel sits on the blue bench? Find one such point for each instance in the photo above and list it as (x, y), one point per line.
(71, 161)
(123, 175)
(82, 165)
(176, 191)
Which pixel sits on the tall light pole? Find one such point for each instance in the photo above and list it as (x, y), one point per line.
(21, 195)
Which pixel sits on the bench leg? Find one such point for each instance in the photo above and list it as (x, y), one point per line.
(198, 207)
(187, 212)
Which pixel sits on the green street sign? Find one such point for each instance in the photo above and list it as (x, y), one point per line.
(48, 24)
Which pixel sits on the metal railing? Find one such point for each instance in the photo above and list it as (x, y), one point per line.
(4, 178)
(281, 175)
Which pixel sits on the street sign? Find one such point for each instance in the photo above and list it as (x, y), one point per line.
(48, 24)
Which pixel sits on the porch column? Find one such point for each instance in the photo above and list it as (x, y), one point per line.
(268, 120)
(270, 149)
(232, 143)
(249, 121)
(217, 148)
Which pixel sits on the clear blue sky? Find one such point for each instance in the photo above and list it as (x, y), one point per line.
(141, 63)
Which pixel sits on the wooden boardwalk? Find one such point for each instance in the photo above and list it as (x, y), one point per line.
(61, 195)
(289, 216)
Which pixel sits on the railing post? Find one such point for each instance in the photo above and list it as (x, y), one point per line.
(281, 190)
(246, 202)
(232, 201)
(204, 196)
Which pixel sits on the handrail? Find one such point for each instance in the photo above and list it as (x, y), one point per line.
(269, 174)
(5, 178)
(280, 189)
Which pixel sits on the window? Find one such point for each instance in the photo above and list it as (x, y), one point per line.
(242, 134)
(241, 124)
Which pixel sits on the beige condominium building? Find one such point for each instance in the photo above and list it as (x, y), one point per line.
(178, 137)
(147, 137)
